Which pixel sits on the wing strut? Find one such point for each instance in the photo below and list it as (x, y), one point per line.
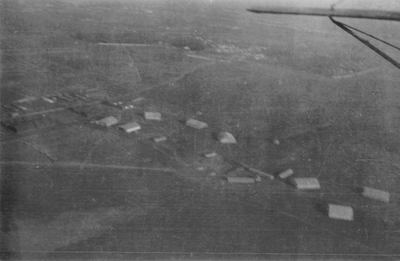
(348, 29)
(348, 13)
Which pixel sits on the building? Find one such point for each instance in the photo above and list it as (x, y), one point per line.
(340, 212)
(156, 116)
(196, 124)
(130, 127)
(305, 183)
(226, 137)
(376, 194)
(107, 121)
(210, 155)
(286, 173)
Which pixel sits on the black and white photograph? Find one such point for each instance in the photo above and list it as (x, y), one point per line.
(200, 130)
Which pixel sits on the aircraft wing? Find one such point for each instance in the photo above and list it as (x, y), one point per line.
(331, 12)
(291, 7)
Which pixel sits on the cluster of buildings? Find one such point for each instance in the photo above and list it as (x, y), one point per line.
(334, 211)
(235, 175)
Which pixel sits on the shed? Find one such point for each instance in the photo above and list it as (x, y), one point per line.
(340, 212)
(196, 124)
(226, 137)
(130, 127)
(156, 116)
(210, 155)
(376, 194)
(107, 121)
(305, 183)
(286, 173)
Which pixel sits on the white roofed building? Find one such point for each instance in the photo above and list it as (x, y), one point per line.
(306, 183)
(156, 116)
(130, 127)
(226, 137)
(196, 124)
(107, 121)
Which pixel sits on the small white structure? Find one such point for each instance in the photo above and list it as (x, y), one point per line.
(138, 100)
(107, 121)
(155, 116)
(376, 194)
(210, 155)
(26, 99)
(120, 105)
(20, 107)
(128, 107)
(245, 180)
(306, 183)
(226, 137)
(196, 124)
(130, 127)
(340, 212)
(47, 100)
(286, 173)
(160, 139)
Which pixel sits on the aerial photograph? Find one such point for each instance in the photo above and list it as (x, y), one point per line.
(200, 130)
